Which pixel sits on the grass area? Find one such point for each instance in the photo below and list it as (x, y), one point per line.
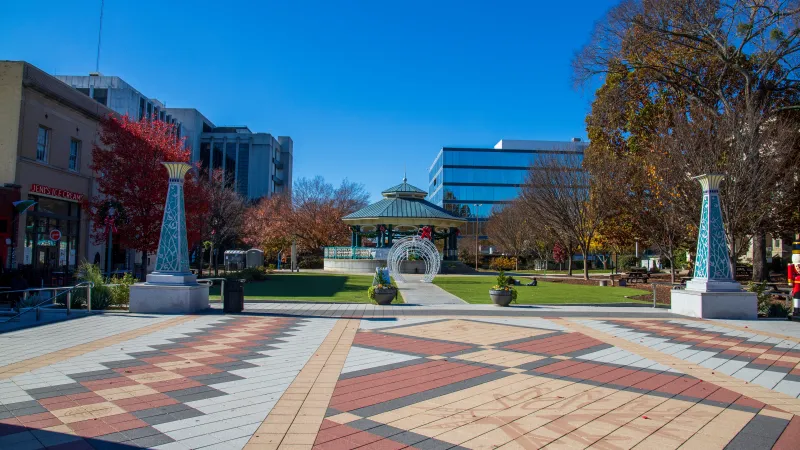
(307, 287)
(475, 289)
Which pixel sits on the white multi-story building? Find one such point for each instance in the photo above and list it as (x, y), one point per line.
(255, 164)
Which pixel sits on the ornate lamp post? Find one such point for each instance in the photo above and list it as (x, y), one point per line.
(171, 288)
(172, 259)
(713, 293)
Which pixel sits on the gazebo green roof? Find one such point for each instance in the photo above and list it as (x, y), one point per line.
(404, 204)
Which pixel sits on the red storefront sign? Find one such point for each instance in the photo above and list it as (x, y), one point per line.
(53, 192)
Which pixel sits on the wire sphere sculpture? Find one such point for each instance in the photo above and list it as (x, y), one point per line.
(414, 247)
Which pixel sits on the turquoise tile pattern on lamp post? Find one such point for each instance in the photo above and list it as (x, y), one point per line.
(173, 251)
(713, 260)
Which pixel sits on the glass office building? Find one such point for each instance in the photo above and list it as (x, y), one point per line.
(470, 182)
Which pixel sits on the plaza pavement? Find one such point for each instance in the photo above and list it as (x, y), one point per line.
(325, 376)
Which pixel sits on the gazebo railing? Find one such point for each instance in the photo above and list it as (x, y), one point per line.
(349, 252)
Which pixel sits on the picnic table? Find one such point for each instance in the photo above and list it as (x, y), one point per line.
(637, 276)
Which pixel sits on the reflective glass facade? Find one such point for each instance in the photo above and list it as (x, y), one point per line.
(461, 178)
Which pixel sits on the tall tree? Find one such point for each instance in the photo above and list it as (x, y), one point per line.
(128, 170)
(268, 225)
(317, 211)
(223, 224)
(509, 228)
(724, 75)
(563, 195)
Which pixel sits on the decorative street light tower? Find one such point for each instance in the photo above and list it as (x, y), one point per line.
(712, 292)
(171, 287)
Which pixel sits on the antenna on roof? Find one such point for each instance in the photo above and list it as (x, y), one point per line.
(405, 180)
(99, 36)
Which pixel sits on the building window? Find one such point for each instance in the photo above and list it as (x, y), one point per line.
(43, 144)
(101, 95)
(74, 155)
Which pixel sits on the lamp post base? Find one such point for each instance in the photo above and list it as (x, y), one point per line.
(714, 305)
(168, 299)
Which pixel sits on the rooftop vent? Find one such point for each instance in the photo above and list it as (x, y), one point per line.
(576, 139)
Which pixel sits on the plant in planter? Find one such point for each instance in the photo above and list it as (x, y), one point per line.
(382, 291)
(502, 293)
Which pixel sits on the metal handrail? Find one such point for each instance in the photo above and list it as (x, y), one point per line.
(66, 290)
(212, 280)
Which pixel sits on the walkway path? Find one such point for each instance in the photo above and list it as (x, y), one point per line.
(416, 292)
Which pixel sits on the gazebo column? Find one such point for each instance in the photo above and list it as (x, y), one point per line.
(446, 247)
(389, 239)
(453, 243)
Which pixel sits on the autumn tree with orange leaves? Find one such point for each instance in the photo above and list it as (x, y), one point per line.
(312, 217)
(128, 172)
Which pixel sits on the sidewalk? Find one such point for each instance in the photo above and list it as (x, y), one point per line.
(415, 292)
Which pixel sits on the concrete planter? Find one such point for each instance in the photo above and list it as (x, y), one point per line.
(385, 296)
(500, 297)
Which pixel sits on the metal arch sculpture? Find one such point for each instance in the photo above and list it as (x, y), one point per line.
(424, 249)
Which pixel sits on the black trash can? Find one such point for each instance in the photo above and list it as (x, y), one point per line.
(233, 296)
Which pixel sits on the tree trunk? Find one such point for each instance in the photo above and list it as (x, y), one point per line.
(569, 261)
(760, 271)
(144, 266)
(200, 260)
(585, 266)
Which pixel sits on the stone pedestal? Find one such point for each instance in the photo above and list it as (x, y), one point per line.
(171, 288)
(713, 293)
(166, 299)
(715, 305)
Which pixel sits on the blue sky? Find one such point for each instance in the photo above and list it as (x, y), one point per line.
(363, 87)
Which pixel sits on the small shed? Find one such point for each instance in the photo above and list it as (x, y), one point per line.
(235, 259)
(255, 258)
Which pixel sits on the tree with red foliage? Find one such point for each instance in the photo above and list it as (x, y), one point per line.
(559, 254)
(129, 172)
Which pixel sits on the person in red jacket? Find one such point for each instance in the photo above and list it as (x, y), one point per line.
(794, 281)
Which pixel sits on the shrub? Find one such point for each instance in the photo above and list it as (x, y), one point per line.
(311, 262)
(764, 299)
(249, 274)
(504, 285)
(629, 262)
(779, 309)
(121, 294)
(101, 294)
(271, 268)
(503, 263)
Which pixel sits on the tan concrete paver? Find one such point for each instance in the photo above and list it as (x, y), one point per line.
(294, 421)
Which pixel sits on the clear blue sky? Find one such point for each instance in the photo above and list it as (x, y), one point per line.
(363, 87)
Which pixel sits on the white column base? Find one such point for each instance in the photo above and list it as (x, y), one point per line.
(715, 305)
(166, 299)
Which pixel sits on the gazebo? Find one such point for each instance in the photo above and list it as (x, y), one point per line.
(402, 212)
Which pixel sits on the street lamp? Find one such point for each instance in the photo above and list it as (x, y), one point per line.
(477, 205)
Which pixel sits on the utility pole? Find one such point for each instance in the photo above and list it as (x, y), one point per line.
(99, 36)
(476, 234)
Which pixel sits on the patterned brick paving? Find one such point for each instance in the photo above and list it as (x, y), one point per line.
(530, 387)
(262, 382)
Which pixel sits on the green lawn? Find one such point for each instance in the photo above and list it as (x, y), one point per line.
(475, 289)
(308, 287)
